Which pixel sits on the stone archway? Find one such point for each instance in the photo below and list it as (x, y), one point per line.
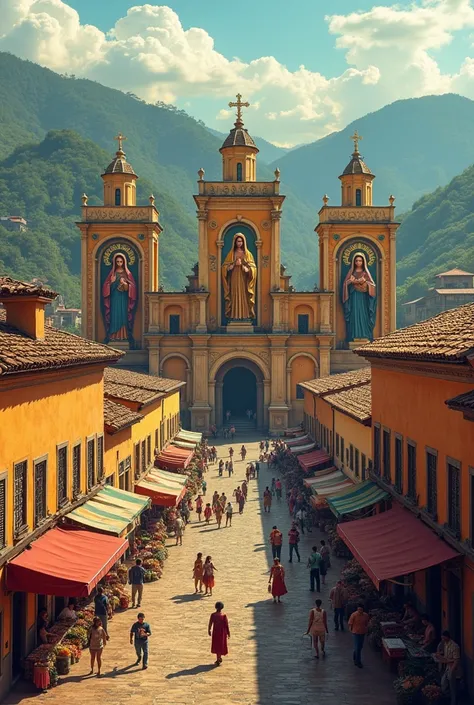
(239, 384)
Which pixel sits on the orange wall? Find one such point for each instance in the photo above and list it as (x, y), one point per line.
(118, 446)
(354, 433)
(414, 406)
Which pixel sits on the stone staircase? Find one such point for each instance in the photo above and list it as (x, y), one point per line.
(242, 426)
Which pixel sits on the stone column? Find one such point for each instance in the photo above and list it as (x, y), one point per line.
(325, 313)
(324, 265)
(220, 245)
(324, 360)
(260, 405)
(218, 411)
(392, 324)
(86, 329)
(278, 410)
(200, 410)
(154, 355)
(275, 257)
(288, 385)
(276, 327)
(203, 250)
(267, 390)
(258, 245)
(212, 400)
(202, 325)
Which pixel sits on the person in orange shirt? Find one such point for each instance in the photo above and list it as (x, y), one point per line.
(276, 540)
(358, 625)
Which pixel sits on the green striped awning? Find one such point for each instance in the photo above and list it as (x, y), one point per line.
(111, 510)
(362, 495)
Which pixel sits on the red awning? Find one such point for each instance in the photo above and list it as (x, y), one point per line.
(65, 563)
(159, 493)
(393, 543)
(173, 457)
(313, 459)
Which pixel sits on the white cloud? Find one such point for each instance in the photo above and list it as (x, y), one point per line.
(390, 52)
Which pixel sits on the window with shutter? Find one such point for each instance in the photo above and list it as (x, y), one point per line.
(377, 449)
(20, 497)
(90, 463)
(40, 491)
(432, 481)
(411, 470)
(143, 456)
(454, 497)
(148, 450)
(62, 476)
(76, 470)
(100, 457)
(3, 512)
(398, 464)
(386, 456)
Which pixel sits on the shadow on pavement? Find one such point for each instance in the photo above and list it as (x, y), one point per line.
(192, 671)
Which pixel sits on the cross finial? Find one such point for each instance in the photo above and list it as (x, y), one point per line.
(120, 139)
(239, 105)
(356, 137)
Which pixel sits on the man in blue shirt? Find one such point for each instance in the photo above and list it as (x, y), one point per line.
(141, 631)
(136, 578)
(102, 608)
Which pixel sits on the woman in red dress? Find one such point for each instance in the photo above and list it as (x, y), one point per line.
(219, 628)
(277, 580)
(208, 575)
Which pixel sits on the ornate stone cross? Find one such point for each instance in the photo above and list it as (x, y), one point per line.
(239, 105)
(120, 139)
(356, 137)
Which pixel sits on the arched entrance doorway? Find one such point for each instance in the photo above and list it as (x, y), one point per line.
(239, 392)
(239, 385)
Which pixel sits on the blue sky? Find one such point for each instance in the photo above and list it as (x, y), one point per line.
(358, 55)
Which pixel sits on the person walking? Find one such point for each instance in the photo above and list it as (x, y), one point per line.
(204, 487)
(229, 510)
(218, 629)
(97, 640)
(267, 445)
(230, 468)
(179, 530)
(301, 518)
(243, 452)
(293, 540)
(208, 575)
(276, 582)
(215, 500)
(338, 597)
(245, 488)
(207, 513)
(314, 565)
(231, 452)
(197, 573)
(318, 627)
(358, 626)
(276, 540)
(184, 512)
(102, 607)
(451, 658)
(257, 468)
(218, 512)
(199, 507)
(241, 502)
(267, 500)
(221, 467)
(232, 432)
(325, 554)
(223, 500)
(136, 578)
(278, 489)
(141, 631)
(273, 489)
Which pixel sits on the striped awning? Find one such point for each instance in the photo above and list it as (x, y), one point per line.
(314, 459)
(303, 439)
(296, 450)
(111, 510)
(164, 475)
(161, 493)
(193, 436)
(322, 476)
(188, 445)
(360, 496)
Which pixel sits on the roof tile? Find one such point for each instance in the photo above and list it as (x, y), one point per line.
(118, 416)
(134, 386)
(14, 287)
(462, 402)
(447, 336)
(355, 402)
(336, 383)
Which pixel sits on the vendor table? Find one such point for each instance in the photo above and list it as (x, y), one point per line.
(393, 651)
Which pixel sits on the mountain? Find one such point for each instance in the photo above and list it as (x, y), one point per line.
(44, 182)
(164, 145)
(412, 146)
(268, 152)
(436, 235)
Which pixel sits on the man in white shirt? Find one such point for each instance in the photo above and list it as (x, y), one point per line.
(68, 612)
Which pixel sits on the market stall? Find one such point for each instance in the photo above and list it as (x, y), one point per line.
(314, 460)
(359, 497)
(296, 450)
(111, 510)
(160, 492)
(174, 458)
(299, 440)
(189, 436)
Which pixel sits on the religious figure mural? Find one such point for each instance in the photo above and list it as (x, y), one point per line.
(119, 290)
(359, 294)
(239, 281)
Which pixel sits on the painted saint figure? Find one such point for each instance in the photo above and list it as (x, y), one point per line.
(239, 279)
(359, 300)
(119, 294)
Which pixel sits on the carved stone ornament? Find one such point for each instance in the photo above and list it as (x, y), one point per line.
(212, 263)
(213, 356)
(369, 214)
(265, 261)
(212, 225)
(264, 355)
(250, 189)
(266, 224)
(119, 213)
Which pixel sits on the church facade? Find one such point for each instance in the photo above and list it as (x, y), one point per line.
(239, 335)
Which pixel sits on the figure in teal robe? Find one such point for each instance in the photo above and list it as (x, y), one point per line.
(359, 299)
(120, 298)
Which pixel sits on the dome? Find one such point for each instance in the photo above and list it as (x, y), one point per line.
(239, 137)
(119, 165)
(356, 166)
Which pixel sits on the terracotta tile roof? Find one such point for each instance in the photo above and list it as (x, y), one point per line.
(118, 416)
(447, 336)
(356, 166)
(133, 386)
(455, 273)
(337, 383)
(238, 137)
(446, 292)
(355, 402)
(14, 287)
(463, 402)
(20, 353)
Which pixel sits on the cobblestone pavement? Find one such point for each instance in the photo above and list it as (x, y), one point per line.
(269, 661)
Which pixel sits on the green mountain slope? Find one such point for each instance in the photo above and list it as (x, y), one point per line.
(165, 146)
(44, 182)
(412, 146)
(436, 235)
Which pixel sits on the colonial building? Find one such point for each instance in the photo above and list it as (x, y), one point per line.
(451, 289)
(70, 427)
(240, 335)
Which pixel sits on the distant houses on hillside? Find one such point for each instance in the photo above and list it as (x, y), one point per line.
(13, 222)
(452, 288)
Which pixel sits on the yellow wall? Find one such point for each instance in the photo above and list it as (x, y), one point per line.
(355, 433)
(54, 408)
(118, 447)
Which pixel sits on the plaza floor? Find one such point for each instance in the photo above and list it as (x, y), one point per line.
(269, 661)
